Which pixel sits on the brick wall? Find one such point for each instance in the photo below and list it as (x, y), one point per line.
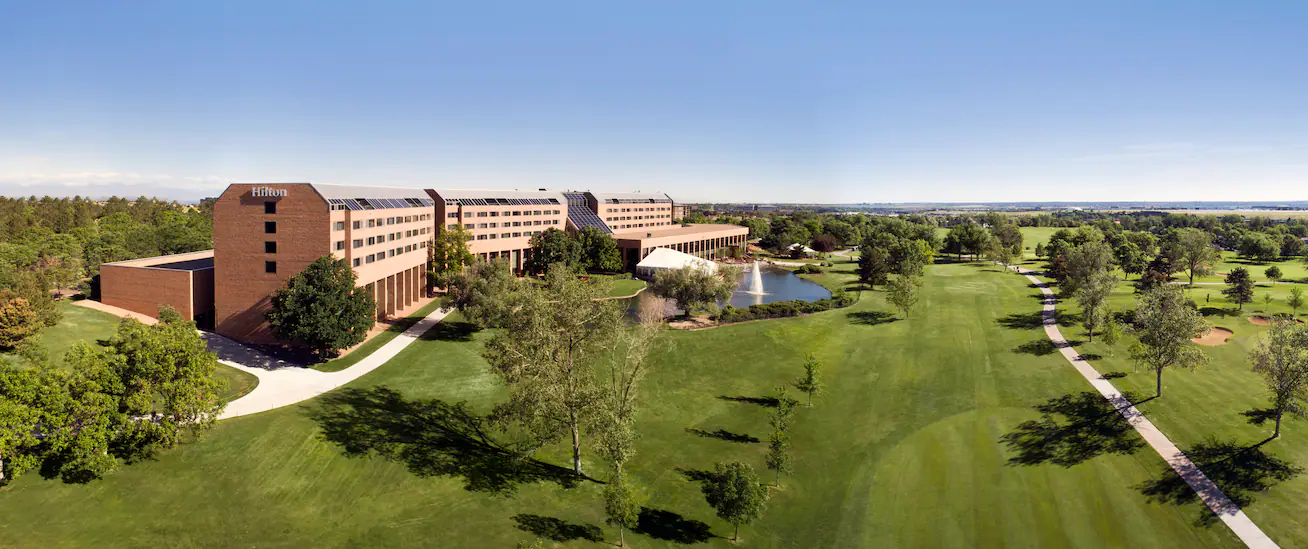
(144, 289)
(241, 286)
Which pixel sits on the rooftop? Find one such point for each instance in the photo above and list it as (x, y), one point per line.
(631, 198)
(646, 233)
(364, 191)
(193, 261)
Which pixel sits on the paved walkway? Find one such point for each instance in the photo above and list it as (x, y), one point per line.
(283, 385)
(1212, 496)
(116, 311)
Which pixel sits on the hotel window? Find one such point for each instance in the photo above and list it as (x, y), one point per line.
(505, 235)
(356, 262)
(537, 222)
(391, 253)
(270, 227)
(452, 226)
(372, 240)
(517, 213)
(390, 221)
(270, 207)
(452, 215)
(270, 247)
(269, 266)
(408, 248)
(481, 237)
(481, 225)
(517, 223)
(537, 212)
(495, 214)
(358, 243)
(481, 214)
(372, 223)
(339, 226)
(340, 245)
(369, 258)
(358, 225)
(492, 236)
(516, 235)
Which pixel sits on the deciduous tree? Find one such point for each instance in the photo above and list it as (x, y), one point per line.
(622, 506)
(552, 246)
(811, 382)
(902, 293)
(1195, 251)
(1282, 359)
(448, 255)
(735, 492)
(694, 287)
(1295, 300)
(18, 320)
(548, 354)
(1273, 273)
(1166, 322)
(321, 308)
(599, 251)
(1093, 294)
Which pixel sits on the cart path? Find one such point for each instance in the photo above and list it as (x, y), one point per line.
(1212, 496)
(283, 385)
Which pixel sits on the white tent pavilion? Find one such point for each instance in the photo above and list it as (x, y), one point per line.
(667, 258)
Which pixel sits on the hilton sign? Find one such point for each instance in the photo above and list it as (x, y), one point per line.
(267, 192)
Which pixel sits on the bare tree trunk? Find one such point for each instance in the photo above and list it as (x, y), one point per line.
(1160, 381)
(1277, 432)
(2, 468)
(622, 540)
(576, 449)
(736, 535)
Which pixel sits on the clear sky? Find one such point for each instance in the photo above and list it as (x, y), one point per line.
(746, 101)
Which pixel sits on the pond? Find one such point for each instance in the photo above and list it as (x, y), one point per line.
(778, 285)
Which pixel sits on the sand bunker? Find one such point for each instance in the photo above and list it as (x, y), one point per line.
(1264, 321)
(1217, 336)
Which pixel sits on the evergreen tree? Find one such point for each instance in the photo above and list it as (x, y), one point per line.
(1239, 286)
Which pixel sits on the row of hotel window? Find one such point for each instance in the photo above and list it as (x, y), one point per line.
(507, 213)
(506, 225)
(381, 222)
(271, 247)
(630, 217)
(370, 258)
(611, 210)
(508, 235)
(359, 242)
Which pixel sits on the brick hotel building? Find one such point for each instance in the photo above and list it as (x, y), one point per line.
(263, 234)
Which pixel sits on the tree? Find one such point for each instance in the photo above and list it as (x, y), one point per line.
(825, 243)
(966, 238)
(486, 293)
(615, 424)
(1085, 262)
(736, 494)
(1112, 331)
(1260, 247)
(448, 255)
(622, 506)
(811, 382)
(1282, 360)
(1196, 252)
(873, 266)
(321, 308)
(902, 293)
(1039, 249)
(1295, 300)
(1291, 245)
(694, 287)
(552, 246)
(778, 457)
(1009, 236)
(18, 320)
(1093, 295)
(1166, 322)
(1273, 274)
(1239, 286)
(1130, 258)
(599, 251)
(548, 353)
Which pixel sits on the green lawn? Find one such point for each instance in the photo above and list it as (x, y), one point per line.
(89, 325)
(377, 341)
(1292, 270)
(903, 451)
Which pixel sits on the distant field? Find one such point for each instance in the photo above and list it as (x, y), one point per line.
(1270, 214)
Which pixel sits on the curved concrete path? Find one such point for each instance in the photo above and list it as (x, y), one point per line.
(1208, 492)
(282, 384)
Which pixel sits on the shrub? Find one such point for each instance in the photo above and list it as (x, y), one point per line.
(781, 309)
(809, 269)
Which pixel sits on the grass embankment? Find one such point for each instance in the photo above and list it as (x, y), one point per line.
(903, 450)
(89, 325)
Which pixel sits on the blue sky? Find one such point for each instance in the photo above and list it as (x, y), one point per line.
(744, 101)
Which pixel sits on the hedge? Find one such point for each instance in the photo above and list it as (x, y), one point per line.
(781, 309)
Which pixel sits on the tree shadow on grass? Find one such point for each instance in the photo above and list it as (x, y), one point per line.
(871, 318)
(697, 475)
(767, 402)
(1039, 347)
(450, 331)
(1112, 375)
(431, 437)
(1023, 321)
(557, 529)
(1072, 429)
(1237, 470)
(1218, 311)
(667, 525)
(1259, 416)
(723, 434)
